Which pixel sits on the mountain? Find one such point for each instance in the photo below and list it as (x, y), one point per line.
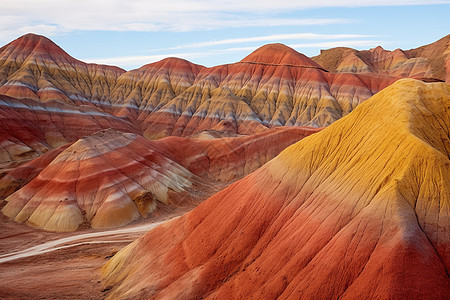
(261, 91)
(359, 210)
(34, 67)
(53, 107)
(430, 61)
(110, 178)
(273, 86)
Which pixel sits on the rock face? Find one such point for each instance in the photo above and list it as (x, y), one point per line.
(110, 178)
(21, 175)
(273, 86)
(359, 210)
(430, 61)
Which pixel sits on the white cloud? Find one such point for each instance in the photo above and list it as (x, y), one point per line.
(128, 62)
(276, 37)
(56, 16)
(363, 43)
(321, 45)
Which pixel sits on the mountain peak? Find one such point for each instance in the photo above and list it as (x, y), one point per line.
(279, 54)
(377, 49)
(175, 63)
(33, 37)
(35, 43)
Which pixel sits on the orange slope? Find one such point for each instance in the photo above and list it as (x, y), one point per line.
(360, 210)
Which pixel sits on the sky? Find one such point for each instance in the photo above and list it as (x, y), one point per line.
(132, 33)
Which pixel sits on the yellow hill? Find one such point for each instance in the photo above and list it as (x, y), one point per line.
(359, 210)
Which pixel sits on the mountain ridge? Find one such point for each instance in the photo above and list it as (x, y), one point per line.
(429, 61)
(172, 96)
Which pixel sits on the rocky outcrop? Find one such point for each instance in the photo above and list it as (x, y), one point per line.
(273, 86)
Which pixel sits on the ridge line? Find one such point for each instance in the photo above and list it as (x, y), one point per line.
(282, 65)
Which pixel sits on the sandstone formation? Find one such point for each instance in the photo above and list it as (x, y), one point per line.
(273, 86)
(110, 178)
(359, 210)
(34, 67)
(431, 61)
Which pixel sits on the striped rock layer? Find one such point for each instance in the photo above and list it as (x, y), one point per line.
(430, 62)
(29, 128)
(360, 210)
(274, 86)
(110, 178)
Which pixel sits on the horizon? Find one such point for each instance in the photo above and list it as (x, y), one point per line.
(135, 34)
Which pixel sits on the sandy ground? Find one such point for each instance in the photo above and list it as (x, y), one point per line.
(72, 273)
(35, 264)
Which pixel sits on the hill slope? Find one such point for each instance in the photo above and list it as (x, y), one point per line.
(360, 210)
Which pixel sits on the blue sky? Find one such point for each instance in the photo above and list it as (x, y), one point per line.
(132, 33)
